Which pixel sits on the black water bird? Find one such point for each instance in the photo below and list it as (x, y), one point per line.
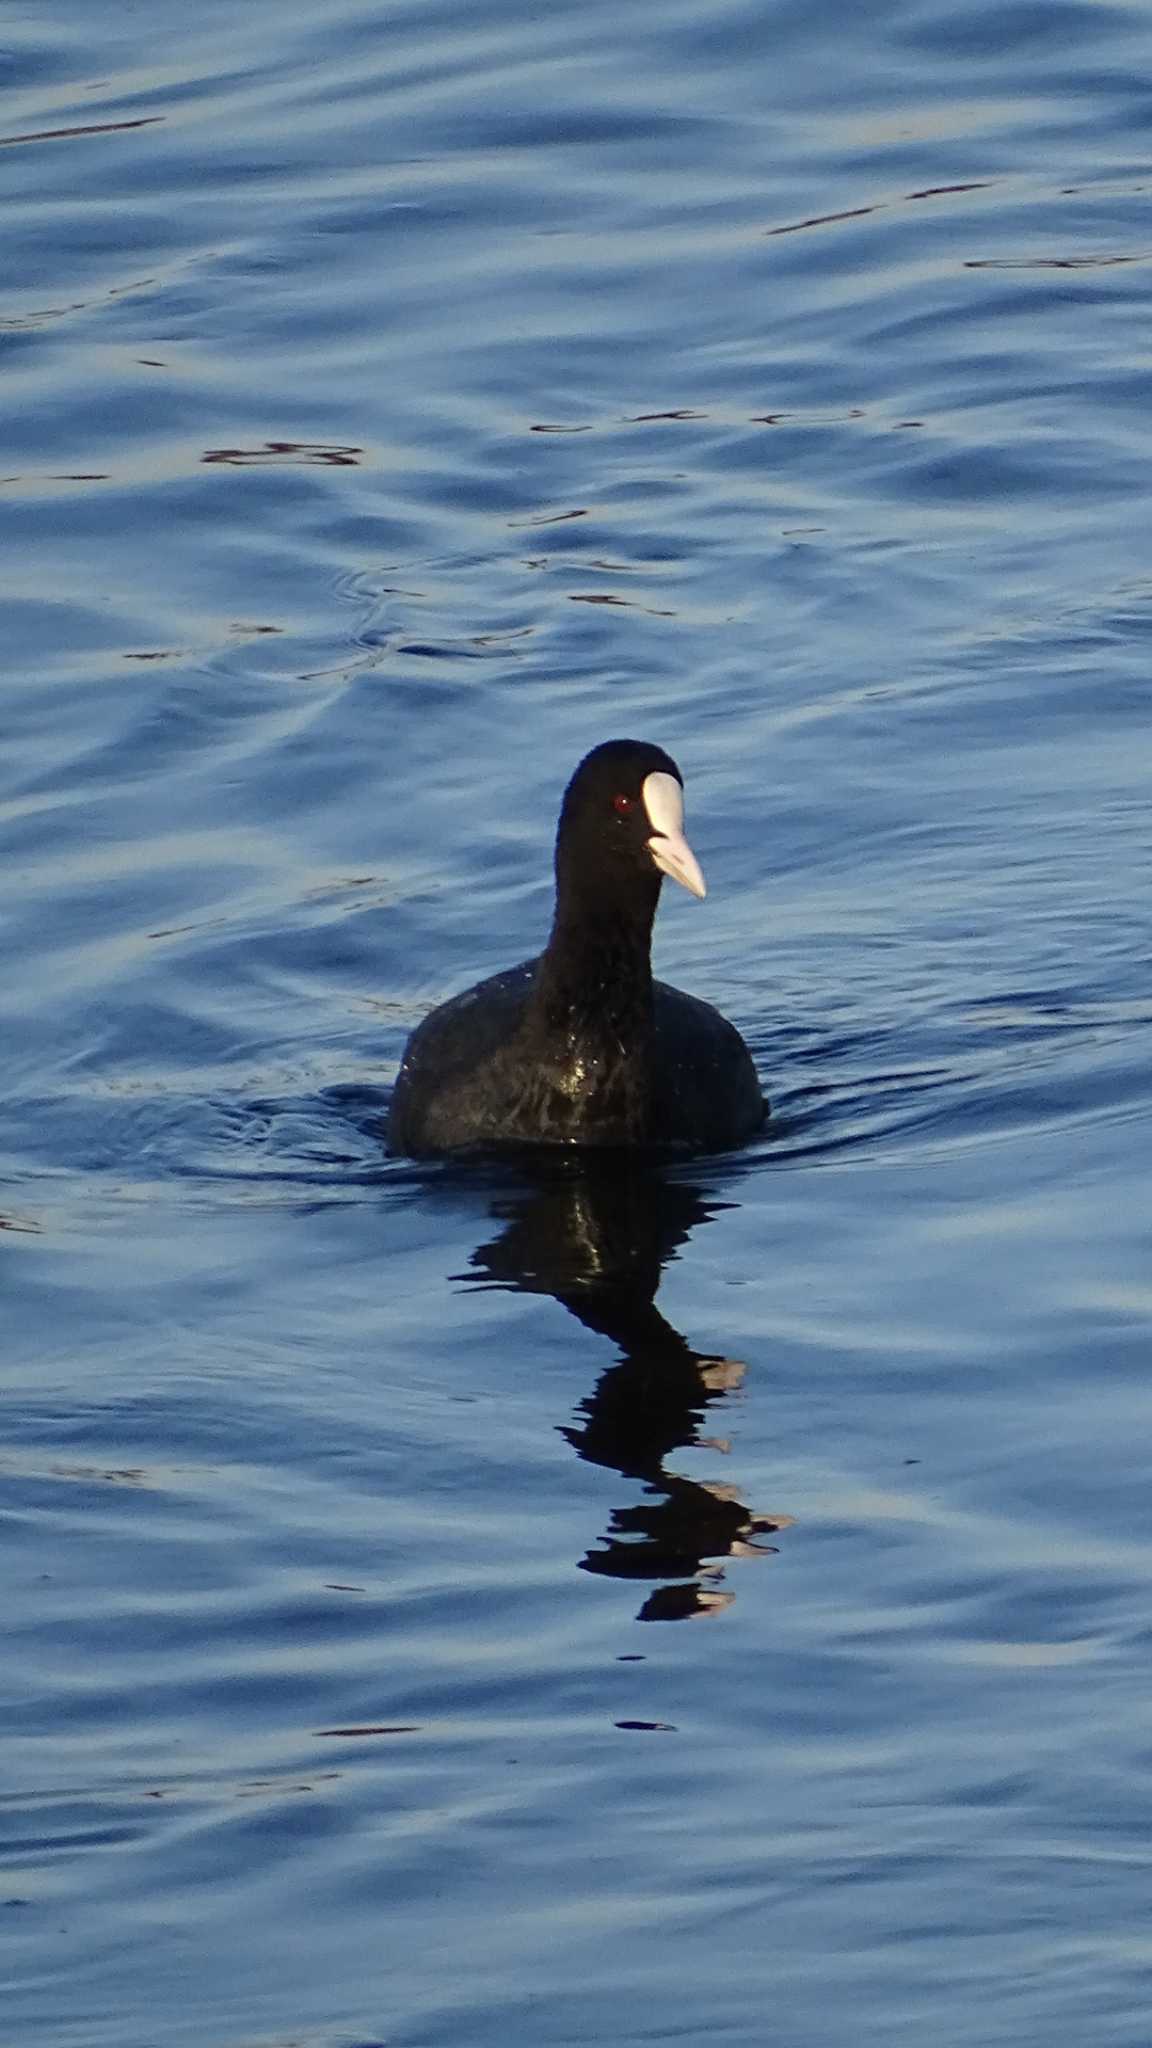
(581, 1046)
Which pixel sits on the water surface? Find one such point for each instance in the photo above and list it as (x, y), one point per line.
(460, 1606)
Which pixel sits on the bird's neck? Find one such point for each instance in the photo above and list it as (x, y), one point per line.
(594, 983)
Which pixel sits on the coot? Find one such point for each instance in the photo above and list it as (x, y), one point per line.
(581, 1046)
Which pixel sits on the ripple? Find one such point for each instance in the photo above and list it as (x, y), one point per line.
(395, 407)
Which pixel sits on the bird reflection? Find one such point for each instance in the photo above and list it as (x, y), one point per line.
(596, 1234)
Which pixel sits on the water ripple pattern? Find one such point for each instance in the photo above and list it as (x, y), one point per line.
(397, 401)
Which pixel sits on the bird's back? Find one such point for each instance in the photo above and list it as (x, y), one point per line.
(481, 1071)
(456, 1085)
(708, 1096)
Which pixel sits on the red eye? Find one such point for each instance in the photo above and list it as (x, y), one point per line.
(622, 804)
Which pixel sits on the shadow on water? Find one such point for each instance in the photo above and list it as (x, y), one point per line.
(596, 1235)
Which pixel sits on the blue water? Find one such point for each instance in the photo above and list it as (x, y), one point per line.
(419, 1631)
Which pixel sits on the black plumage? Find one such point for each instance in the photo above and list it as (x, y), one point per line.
(581, 1046)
